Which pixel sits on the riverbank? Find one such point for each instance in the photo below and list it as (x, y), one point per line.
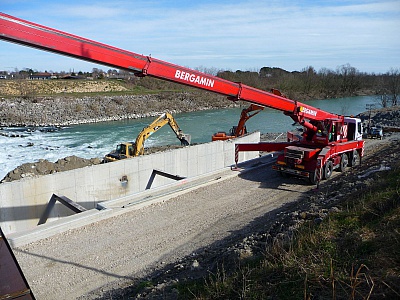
(66, 110)
(70, 102)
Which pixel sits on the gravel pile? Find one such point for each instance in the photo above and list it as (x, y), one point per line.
(44, 167)
(385, 117)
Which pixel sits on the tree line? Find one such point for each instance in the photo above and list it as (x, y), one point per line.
(302, 85)
(308, 83)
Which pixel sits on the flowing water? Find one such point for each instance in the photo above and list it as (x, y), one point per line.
(96, 140)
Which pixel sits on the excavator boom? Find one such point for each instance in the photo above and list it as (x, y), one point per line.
(246, 114)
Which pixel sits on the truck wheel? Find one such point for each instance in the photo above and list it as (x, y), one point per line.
(344, 161)
(354, 159)
(328, 169)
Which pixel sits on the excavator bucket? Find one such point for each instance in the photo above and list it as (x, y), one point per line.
(185, 139)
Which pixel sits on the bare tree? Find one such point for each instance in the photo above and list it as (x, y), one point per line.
(211, 71)
(308, 78)
(394, 84)
(349, 77)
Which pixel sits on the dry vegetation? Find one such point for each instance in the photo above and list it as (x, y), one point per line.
(34, 88)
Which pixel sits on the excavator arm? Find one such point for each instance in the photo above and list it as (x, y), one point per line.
(161, 121)
(246, 114)
(240, 129)
(23, 32)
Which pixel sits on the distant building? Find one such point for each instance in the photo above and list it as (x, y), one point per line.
(40, 76)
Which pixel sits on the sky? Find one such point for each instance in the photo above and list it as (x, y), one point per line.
(220, 34)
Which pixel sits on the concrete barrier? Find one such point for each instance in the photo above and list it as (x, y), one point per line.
(23, 202)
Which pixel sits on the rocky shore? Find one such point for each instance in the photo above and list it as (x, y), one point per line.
(64, 111)
(388, 118)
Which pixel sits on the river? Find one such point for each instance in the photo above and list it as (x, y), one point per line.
(97, 139)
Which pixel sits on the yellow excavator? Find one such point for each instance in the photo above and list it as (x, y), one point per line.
(131, 149)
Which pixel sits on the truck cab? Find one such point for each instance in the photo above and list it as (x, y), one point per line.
(354, 128)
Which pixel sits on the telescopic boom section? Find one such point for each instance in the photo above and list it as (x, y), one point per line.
(23, 32)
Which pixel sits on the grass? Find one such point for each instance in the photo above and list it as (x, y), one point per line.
(352, 254)
(81, 88)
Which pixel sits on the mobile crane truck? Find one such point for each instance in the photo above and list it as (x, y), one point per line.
(132, 149)
(329, 141)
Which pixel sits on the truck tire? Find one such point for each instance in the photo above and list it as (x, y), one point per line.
(328, 169)
(353, 159)
(344, 161)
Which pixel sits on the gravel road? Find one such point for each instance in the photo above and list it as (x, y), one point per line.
(132, 245)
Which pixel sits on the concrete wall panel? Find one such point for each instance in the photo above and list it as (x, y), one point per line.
(23, 202)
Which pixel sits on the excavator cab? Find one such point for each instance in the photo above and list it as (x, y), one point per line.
(125, 149)
(121, 149)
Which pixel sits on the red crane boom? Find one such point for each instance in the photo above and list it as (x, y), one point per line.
(34, 35)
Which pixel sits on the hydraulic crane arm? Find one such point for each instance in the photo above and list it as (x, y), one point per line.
(23, 32)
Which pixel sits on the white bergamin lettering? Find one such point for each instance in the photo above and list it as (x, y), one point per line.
(308, 111)
(193, 78)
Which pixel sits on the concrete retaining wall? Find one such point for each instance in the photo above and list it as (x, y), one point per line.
(23, 202)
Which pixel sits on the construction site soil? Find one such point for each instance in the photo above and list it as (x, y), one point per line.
(142, 254)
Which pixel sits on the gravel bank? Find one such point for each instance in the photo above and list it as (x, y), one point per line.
(63, 111)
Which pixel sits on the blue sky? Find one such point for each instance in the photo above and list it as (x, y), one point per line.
(219, 34)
